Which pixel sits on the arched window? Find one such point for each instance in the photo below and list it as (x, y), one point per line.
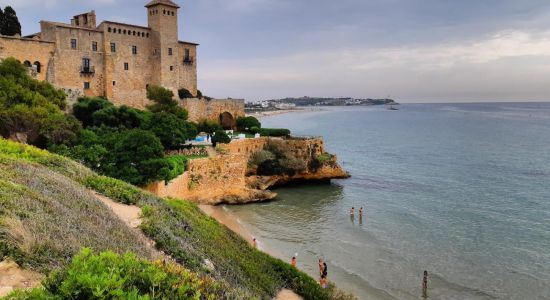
(109, 29)
(119, 31)
(134, 32)
(27, 64)
(147, 35)
(124, 31)
(37, 66)
(164, 11)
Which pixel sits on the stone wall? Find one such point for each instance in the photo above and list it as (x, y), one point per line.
(222, 179)
(30, 50)
(160, 57)
(202, 109)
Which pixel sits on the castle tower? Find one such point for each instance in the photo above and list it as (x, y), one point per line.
(163, 21)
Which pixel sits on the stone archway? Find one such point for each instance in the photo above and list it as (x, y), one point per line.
(227, 121)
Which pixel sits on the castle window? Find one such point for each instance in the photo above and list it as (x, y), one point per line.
(126, 66)
(110, 29)
(119, 30)
(73, 43)
(94, 46)
(113, 47)
(147, 34)
(86, 85)
(164, 11)
(173, 14)
(134, 49)
(187, 56)
(171, 68)
(170, 51)
(37, 66)
(114, 83)
(134, 32)
(124, 31)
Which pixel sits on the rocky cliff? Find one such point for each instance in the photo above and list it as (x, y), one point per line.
(244, 171)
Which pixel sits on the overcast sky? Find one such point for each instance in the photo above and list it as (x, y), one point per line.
(411, 50)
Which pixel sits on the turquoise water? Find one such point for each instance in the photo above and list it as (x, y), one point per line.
(460, 190)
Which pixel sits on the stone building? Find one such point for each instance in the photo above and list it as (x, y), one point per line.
(114, 60)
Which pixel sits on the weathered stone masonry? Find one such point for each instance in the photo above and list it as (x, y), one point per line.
(113, 59)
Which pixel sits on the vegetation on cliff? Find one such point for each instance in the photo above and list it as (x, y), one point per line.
(120, 142)
(113, 276)
(67, 217)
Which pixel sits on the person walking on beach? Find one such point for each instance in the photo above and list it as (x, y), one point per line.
(293, 261)
(425, 285)
(254, 243)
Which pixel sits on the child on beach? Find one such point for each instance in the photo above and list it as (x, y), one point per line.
(254, 243)
(293, 261)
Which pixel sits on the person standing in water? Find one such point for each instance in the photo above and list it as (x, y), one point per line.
(352, 211)
(293, 261)
(425, 285)
(321, 267)
(361, 212)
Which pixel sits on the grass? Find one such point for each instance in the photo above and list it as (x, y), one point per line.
(48, 216)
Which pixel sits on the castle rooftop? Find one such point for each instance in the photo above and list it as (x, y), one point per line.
(165, 2)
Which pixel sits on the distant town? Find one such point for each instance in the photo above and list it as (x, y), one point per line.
(291, 103)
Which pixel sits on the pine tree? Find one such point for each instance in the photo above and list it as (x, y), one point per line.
(10, 24)
(1, 21)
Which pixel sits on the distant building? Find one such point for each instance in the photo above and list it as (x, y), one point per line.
(114, 60)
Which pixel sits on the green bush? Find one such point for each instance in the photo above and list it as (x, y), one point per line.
(209, 126)
(277, 132)
(220, 137)
(112, 276)
(247, 123)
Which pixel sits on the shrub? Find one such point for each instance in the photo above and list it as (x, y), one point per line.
(85, 107)
(199, 94)
(280, 132)
(220, 137)
(164, 101)
(112, 276)
(247, 123)
(209, 126)
(261, 156)
(185, 93)
(172, 131)
(113, 188)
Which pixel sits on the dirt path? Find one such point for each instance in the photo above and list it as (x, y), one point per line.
(130, 215)
(287, 295)
(13, 277)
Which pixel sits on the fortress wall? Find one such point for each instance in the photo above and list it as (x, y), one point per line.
(32, 50)
(68, 62)
(187, 72)
(207, 181)
(129, 86)
(202, 109)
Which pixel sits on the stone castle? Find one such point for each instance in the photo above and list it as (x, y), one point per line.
(118, 61)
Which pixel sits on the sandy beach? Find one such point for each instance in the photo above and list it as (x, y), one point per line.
(264, 114)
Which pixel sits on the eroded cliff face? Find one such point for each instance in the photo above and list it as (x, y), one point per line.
(230, 177)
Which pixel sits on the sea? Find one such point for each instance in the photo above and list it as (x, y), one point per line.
(459, 190)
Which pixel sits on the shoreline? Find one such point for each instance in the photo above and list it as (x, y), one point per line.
(226, 218)
(270, 113)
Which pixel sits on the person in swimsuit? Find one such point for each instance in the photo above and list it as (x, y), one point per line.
(254, 243)
(293, 261)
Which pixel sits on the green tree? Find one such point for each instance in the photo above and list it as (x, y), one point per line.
(133, 155)
(247, 123)
(220, 137)
(171, 130)
(85, 107)
(209, 126)
(164, 101)
(10, 25)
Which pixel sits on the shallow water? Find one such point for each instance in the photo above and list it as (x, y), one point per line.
(460, 190)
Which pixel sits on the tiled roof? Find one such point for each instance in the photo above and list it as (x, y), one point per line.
(164, 2)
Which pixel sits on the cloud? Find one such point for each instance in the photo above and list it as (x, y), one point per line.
(508, 64)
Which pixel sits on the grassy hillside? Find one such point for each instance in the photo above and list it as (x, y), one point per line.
(47, 215)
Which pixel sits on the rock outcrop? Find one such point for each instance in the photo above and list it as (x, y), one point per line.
(229, 177)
